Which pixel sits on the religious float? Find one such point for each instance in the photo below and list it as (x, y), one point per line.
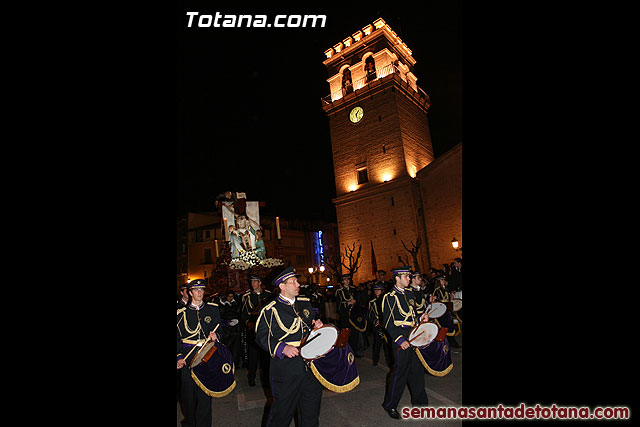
(243, 251)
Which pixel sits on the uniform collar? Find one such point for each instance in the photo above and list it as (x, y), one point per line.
(194, 307)
(286, 300)
(398, 289)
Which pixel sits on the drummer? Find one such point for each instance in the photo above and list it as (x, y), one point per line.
(442, 294)
(196, 323)
(380, 276)
(417, 286)
(183, 300)
(280, 328)
(252, 302)
(380, 336)
(399, 316)
(345, 299)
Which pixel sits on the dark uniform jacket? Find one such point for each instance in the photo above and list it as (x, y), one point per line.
(420, 300)
(375, 312)
(441, 294)
(252, 303)
(342, 296)
(455, 283)
(281, 323)
(194, 325)
(399, 313)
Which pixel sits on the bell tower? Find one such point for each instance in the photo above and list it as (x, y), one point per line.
(380, 139)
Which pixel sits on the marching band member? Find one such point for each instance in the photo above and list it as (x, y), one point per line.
(345, 299)
(380, 336)
(183, 301)
(400, 316)
(196, 322)
(280, 328)
(441, 294)
(252, 302)
(417, 285)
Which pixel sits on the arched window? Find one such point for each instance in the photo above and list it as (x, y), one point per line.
(347, 84)
(370, 69)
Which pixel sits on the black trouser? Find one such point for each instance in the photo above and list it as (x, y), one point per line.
(232, 341)
(378, 343)
(196, 404)
(407, 370)
(293, 386)
(257, 356)
(354, 335)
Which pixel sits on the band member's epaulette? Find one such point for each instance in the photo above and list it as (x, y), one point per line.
(180, 310)
(303, 299)
(373, 300)
(213, 304)
(268, 306)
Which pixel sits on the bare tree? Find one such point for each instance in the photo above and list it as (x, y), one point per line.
(350, 261)
(414, 253)
(403, 262)
(332, 262)
(354, 260)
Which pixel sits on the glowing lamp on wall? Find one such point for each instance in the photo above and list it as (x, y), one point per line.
(353, 187)
(386, 177)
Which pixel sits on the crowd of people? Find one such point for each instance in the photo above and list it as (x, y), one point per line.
(240, 327)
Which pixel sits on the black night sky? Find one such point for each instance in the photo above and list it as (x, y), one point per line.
(249, 114)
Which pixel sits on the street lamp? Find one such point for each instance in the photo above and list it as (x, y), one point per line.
(317, 271)
(454, 243)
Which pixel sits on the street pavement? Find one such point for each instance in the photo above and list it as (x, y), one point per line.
(249, 406)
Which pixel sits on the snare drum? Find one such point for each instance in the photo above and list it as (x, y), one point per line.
(458, 295)
(358, 318)
(337, 370)
(214, 371)
(319, 342)
(457, 304)
(436, 310)
(422, 334)
(205, 352)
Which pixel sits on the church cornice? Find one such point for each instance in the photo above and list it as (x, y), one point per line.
(372, 190)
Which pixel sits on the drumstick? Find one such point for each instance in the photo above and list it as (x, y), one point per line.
(314, 337)
(400, 348)
(416, 337)
(205, 341)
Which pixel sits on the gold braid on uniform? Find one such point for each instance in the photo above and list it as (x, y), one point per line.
(295, 326)
(406, 315)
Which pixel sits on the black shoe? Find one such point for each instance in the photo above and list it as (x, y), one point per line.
(393, 413)
(252, 381)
